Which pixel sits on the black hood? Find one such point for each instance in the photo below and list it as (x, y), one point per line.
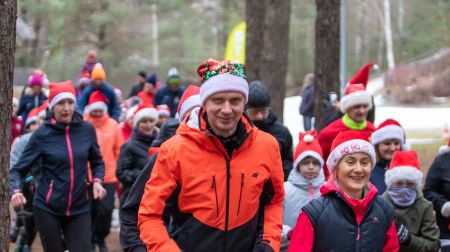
(168, 129)
(265, 124)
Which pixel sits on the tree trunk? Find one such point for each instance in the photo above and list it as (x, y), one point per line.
(326, 60)
(267, 46)
(8, 15)
(388, 35)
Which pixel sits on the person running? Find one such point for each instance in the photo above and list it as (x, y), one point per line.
(262, 116)
(110, 139)
(350, 215)
(65, 144)
(98, 82)
(171, 93)
(356, 104)
(34, 97)
(414, 217)
(386, 139)
(133, 153)
(437, 190)
(303, 183)
(224, 173)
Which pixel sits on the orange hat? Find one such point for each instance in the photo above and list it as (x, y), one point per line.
(97, 101)
(98, 72)
(404, 166)
(308, 146)
(60, 91)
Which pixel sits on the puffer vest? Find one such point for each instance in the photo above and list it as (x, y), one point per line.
(336, 229)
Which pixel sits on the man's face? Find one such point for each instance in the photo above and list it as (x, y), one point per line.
(140, 79)
(224, 111)
(174, 87)
(358, 113)
(258, 114)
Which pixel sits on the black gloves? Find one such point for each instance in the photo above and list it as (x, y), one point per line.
(404, 237)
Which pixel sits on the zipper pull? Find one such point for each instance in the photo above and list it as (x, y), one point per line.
(358, 236)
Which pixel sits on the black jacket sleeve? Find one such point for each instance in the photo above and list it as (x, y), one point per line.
(435, 182)
(129, 233)
(125, 171)
(95, 157)
(24, 164)
(286, 154)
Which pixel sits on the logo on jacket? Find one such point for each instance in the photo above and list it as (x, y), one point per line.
(255, 174)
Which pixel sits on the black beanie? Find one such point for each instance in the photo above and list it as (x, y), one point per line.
(258, 95)
(143, 74)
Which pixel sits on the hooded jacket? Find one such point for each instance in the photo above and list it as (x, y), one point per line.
(109, 137)
(437, 190)
(129, 233)
(368, 215)
(299, 192)
(65, 150)
(224, 203)
(420, 221)
(272, 126)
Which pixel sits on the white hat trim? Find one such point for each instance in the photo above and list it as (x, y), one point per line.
(223, 83)
(31, 120)
(96, 106)
(349, 147)
(59, 97)
(403, 173)
(191, 102)
(355, 98)
(388, 132)
(308, 153)
(145, 113)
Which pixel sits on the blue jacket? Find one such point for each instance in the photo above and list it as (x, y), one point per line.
(108, 91)
(377, 176)
(307, 105)
(64, 151)
(169, 97)
(29, 102)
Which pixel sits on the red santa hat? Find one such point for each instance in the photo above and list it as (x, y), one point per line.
(32, 117)
(404, 166)
(43, 110)
(144, 111)
(222, 76)
(15, 102)
(355, 93)
(389, 129)
(163, 110)
(190, 99)
(60, 91)
(85, 78)
(348, 142)
(97, 101)
(308, 146)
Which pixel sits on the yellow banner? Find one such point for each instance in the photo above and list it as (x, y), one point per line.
(235, 50)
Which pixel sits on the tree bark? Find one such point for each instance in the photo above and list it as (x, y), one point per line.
(326, 60)
(267, 46)
(8, 15)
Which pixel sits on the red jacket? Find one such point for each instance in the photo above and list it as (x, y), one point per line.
(303, 234)
(146, 98)
(327, 135)
(219, 195)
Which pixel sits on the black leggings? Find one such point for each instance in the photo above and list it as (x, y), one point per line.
(76, 230)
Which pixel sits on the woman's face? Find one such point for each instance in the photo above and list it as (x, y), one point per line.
(387, 148)
(63, 110)
(146, 125)
(353, 173)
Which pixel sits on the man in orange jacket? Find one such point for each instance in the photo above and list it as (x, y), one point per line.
(110, 139)
(219, 177)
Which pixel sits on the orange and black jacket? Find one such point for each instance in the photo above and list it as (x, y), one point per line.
(222, 202)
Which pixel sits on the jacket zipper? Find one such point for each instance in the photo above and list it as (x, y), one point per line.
(215, 192)
(240, 193)
(49, 194)
(69, 148)
(227, 209)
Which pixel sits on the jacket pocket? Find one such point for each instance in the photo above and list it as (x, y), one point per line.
(214, 187)
(49, 193)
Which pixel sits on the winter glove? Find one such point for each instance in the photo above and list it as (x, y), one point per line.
(445, 210)
(404, 237)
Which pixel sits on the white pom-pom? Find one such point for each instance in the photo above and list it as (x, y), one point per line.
(406, 146)
(308, 138)
(443, 149)
(375, 67)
